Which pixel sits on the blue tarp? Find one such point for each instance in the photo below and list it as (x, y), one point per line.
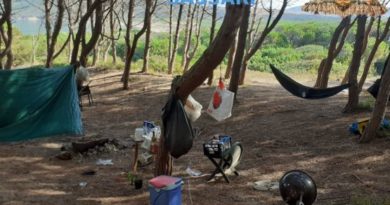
(38, 103)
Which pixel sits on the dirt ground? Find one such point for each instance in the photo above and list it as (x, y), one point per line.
(278, 132)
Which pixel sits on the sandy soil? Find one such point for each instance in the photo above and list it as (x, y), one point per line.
(279, 133)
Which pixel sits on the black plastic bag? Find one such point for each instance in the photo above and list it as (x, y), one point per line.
(177, 128)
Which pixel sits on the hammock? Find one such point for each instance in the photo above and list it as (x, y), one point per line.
(302, 91)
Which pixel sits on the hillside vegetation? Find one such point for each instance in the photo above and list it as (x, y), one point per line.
(293, 47)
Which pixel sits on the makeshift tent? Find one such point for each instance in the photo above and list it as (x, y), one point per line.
(38, 103)
(302, 91)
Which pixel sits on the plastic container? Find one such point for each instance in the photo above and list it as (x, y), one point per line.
(165, 190)
(148, 126)
(138, 184)
(148, 136)
(138, 134)
(217, 146)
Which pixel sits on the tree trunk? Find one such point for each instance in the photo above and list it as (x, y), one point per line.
(353, 95)
(346, 76)
(48, 6)
(137, 36)
(320, 73)
(34, 50)
(367, 65)
(113, 50)
(171, 64)
(270, 25)
(6, 34)
(187, 36)
(127, 43)
(8, 50)
(380, 106)
(252, 30)
(239, 57)
(212, 31)
(97, 30)
(367, 31)
(51, 38)
(145, 65)
(106, 51)
(95, 52)
(232, 53)
(379, 39)
(70, 50)
(9, 61)
(112, 32)
(170, 38)
(198, 26)
(97, 4)
(210, 59)
(243, 71)
(327, 63)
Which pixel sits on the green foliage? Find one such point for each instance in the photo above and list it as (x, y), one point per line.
(300, 34)
(158, 63)
(292, 46)
(367, 104)
(159, 45)
(302, 59)
(109, 65)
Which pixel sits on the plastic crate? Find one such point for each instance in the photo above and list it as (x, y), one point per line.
(217, 146)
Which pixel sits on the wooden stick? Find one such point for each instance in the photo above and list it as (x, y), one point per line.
(135, 159)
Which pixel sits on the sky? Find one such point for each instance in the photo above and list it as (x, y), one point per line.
(299, 2)
(292, 3)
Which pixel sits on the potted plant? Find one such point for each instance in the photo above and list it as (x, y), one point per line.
(135, 180)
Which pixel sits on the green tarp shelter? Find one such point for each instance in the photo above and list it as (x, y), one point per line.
(38, 103)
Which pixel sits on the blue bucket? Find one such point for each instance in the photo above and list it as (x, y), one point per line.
(165, 190)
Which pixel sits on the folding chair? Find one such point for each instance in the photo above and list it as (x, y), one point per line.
(85, 90)
(228, 158)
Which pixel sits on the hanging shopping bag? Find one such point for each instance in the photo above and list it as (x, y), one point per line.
(221, 104)
(193, 108)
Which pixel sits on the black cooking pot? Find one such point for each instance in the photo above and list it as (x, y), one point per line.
(297, 186)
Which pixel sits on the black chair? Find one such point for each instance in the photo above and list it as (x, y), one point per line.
(85, 90)
(228, 159)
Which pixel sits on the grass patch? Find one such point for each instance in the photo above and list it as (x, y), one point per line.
(367, 104)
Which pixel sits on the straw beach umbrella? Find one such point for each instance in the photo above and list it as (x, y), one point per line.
(346, 7)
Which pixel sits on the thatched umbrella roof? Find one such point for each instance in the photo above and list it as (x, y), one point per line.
(346, 7)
